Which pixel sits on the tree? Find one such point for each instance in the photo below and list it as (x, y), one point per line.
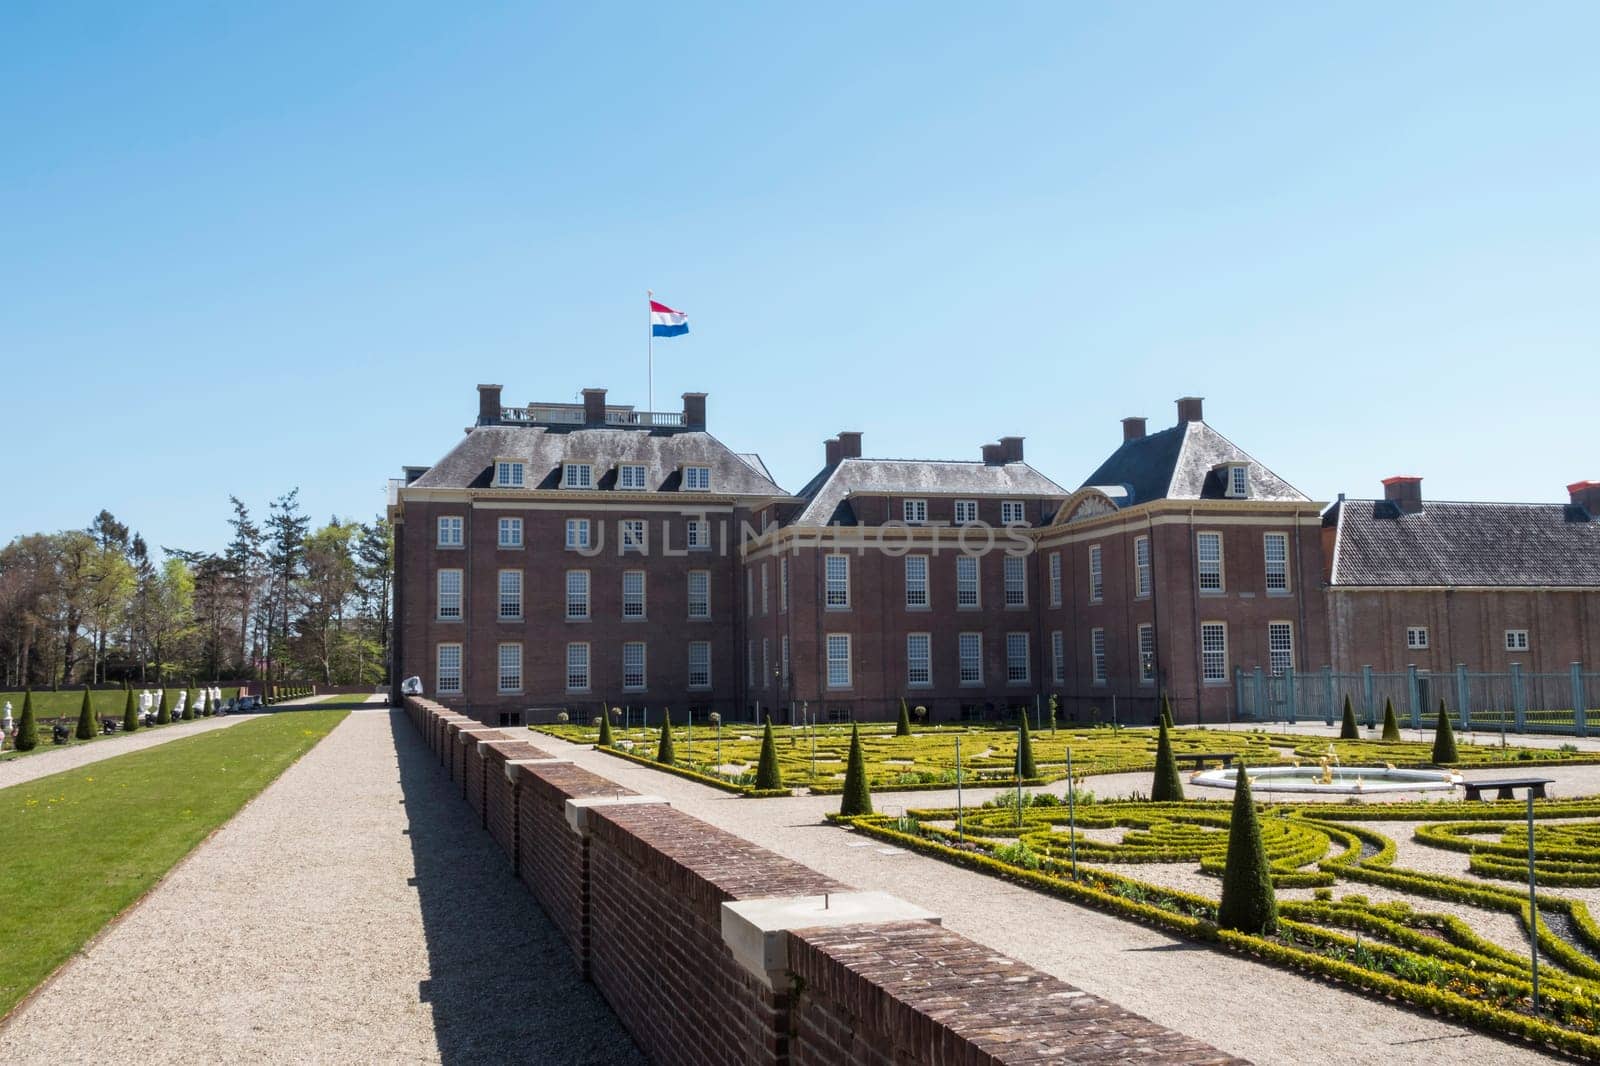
(27, 728)
(245, 557)
(88, 726)
(664, 754)
(285, 539)
(375, 553)
(1249, 904)
(1054, 706)
(1168, 785)
(903, 729)
(1391, 727)
(1025, 764)
(857, 796)
(1166, 711)
(189, 700)
(1348, 730)
(130, 712)
(324, 590)
(110, 584)
(605, 729)
(164, 713)
(1444, 739)
(768, 775)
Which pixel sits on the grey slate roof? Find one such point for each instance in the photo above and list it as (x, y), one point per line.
(1179, 464)
(470, 463)
(1506, 544)
(828, 494)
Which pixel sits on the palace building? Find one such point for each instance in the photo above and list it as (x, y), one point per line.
(565, 557)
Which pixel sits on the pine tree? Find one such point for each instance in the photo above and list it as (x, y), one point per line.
(1248, 902)
(130, 712)
(86, 721)
(1026, 767)
(664, 753)
(1444, 739)
(164, 715)
(27, 728)
(1348, 730)
(605, 729)
(904, 728)
(857, 796)
(767, 773)
(1391, 728)
(1167, 786)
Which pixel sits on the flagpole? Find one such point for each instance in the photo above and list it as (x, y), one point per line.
(650, 350)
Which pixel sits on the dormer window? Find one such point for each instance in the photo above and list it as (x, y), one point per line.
(1236, 476)
(697, 478)
(577, 476)
(508, 474)
(630, 477)
(915, 512)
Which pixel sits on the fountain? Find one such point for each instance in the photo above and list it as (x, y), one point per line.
(1330, 779)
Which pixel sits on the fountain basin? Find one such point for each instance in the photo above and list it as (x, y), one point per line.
(1347, 780)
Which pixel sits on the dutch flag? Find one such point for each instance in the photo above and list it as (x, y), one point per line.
(665, 322)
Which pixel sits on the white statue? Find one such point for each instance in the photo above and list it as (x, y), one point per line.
(200, 702)
(5, 725)
(145, 701)
(216, 694)
(183, 698)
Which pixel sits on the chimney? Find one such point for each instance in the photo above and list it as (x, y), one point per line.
(1190, 409)
(594, 407)
(1132, 428)
(991, 454)
(694, 410)
(1404, 492)
(830, 451)
(1011, 449)
(849, 444)
(1586, 494)
(488, 404)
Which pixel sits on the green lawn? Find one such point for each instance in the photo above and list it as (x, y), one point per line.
(78, 847)
(48, 705)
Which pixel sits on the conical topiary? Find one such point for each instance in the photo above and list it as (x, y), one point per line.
(767, 773)
(1444, 739)
(664, 753)
(1025, 764)
(1166, 712)
(605, 729)
(87, 726)
(130, 712)
(164, 715)
(188, 706)
(1391, 728)
(27, 728)
(1248, 902)
(1348, 730)
(1167, 786)
(857, 796)
(1053, 705)
(904, 728)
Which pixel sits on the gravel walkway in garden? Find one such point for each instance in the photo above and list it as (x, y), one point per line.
(353, 912)
(1261, 1013)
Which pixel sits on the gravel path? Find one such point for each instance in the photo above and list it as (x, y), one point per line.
(1263, 1014)
(353, 912)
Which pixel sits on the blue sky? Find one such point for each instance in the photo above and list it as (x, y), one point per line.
(249, 247)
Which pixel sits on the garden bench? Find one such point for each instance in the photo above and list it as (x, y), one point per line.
(1198, 759)
(1535, 785)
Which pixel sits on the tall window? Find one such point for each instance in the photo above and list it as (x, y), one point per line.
(510, 594)
(1208, 550)
(838, 660)
(633, 665)
(577, 476)
(784, 651)
(916, 581)
(635, 537)
(766, 663)
(510, 657)
(450, 531)
(1147, 654)
(1058, 657)
(749, 593)
(578, 533)
(750, 663)
(508, 475)
(1097, 575)
(448, 673)
(1239, 481)
(577, 594)
(966, 511)
(630, 477)
(633, 594)
(915, 512)
(1276, 549)
(699, 534)
(763, 588)
(699, 594)
(1055, 579)
(1280, 647)
(449, 594)
(697, 478)
(970, 649)
(1141, 566)
(1012, 512)
(966, 581)
(699, 664)
(919, 659)
(838, 581)
(510, 533)
(1214, 651)
(1097, 654)
(578, 667)
(1016, 658)
(783, 584)
(1016, 570)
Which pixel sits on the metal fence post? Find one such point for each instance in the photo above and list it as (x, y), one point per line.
(1519, 702)
(1366, 694)
(1463, 696)
(1327, 695)
(1416, 696)
(1580, 707)
(1289, 692)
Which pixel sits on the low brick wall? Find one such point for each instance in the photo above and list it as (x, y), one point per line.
(712, 950)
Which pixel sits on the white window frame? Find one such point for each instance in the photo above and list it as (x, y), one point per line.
(1058, 656)
(1238, 481)
(836, 582)
(508, 662)
(577, 476)
(750, 663)
(698, 535)
(580, 677)
(452, 603)
(1517, 640)
(1214, 653)
(703, 603)
(1097, 574)
(839, 665)
(1055, 579)
(917, 596)
(764, 600)
(633, 600)
(1280, 647)
(1013, 512)
(784, 652)
(1276, 570)
(1147, 653)
(766, 662)
(579, 534)
(633, 536)
(1208, 570)
(1416, 638)
(966, 512)
(915, 512)
(578, 600)
(508, 586)
(635, 660)
(969, 659)
(1015, 569)
(699, 664)
(451, 531)
(443, 675)
(509, 474)
(631, 477)
(1141, 568)
(1097, 655)
(697, 478)
(919, 660)
(783, 585)
(1018, 667)
(509, 533)
(969, 586)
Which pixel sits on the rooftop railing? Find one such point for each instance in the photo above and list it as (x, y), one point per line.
(572, 415)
